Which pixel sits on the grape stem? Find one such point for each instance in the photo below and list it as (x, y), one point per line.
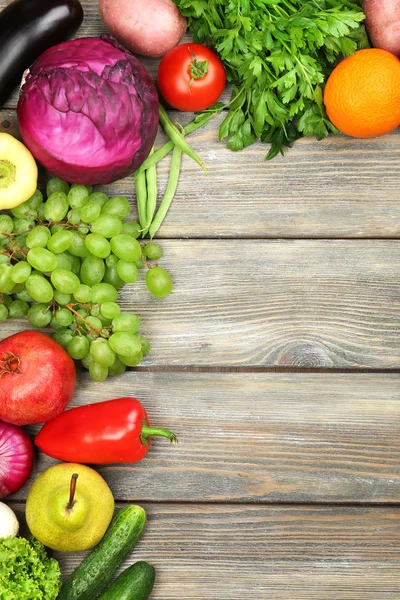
(78, 316)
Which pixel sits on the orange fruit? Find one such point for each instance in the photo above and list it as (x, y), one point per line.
(362, 94)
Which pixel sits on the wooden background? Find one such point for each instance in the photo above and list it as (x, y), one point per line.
(276, 361)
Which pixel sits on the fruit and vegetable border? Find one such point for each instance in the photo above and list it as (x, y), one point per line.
(89, 112)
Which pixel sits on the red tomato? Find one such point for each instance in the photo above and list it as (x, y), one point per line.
(191, 77)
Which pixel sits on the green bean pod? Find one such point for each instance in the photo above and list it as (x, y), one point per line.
(169, 192)
(177, 137)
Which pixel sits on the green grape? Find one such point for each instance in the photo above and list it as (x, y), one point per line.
(102, 353)
(90, 212)
(54, 324)
(152, 251)
(95, 311)
(126, 247)
(82, 229)
(131, 228)
(131, 361)
(23, 295)
(6, 225)
(55, 184)
(117, 368)
(78, 246)
(75, 263)
(139, 262)
(3, 313)
(110, 310)
(24, 211)
(87, 361)
(20, 271)
(23, 225)
(107, 225)
(38, 237)
(97, 372)
(4, 258)
(145, 345)
(39, 315)
(111, 276)
(126, 322)
(73, 216)
(99, 198)
(65, 281)
(105, 333)
(64, 261)
(117, 206)
(104, 321)
(42, 260)
(94, 322)
(36, 200)
(125, 344)
(89, 188)
(19, 247)
(60, 241)
(56, 207)
(41, 213)
(64, 317)
(6, 283)
(98, 245)
(83, 293)
(127, 271)
(159, 282)
(63, 337)
(7, 300)
(61, 298)
(112, 260)
(78, 196)
(39, 288)
(92, 270)
(18, 309)
(18, 288)
(56, 228)
(78, 347)
(104, 292)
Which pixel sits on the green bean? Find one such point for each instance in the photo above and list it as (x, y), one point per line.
(151, 180)
(169, 192)
(177, 137)
(141, 198)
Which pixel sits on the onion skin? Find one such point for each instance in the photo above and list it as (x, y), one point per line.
(383, 24)
(37, 378)
(16, 458)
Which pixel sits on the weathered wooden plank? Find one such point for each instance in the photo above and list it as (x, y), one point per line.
(260, 437)
(340, 187)
(303, 304)
(208, 552)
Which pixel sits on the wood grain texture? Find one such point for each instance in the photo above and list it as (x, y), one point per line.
(260, 437)
(307, 553)
(301, 304)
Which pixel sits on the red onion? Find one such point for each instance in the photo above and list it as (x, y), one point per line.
(16, 458)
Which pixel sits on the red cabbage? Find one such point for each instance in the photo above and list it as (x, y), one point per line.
(88, 111)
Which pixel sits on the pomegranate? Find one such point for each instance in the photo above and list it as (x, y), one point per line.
(37, 378)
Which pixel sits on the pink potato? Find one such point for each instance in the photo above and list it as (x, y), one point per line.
(383, 24)
(146, 27)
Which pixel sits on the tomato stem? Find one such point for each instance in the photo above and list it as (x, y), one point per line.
(72, 490)
(198, 68)
(148, 431)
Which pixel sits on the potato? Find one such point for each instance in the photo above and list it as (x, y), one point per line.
(147, 27)
(383, 24)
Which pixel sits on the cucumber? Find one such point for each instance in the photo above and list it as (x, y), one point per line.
(135, 583)
(97, 569)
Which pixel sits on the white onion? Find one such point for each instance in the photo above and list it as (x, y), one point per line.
(9, 525)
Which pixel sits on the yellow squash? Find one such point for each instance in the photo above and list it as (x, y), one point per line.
(18, 172)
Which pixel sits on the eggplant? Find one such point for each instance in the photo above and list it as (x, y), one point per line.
(27, 29)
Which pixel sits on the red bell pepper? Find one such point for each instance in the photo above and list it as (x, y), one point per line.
(115, 431)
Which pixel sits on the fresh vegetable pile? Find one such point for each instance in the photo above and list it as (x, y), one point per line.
(278, 56)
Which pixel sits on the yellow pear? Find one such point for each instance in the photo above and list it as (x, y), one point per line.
(69, 507)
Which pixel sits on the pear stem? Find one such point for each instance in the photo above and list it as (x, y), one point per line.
(72, 490)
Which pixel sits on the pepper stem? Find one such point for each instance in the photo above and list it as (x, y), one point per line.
(7, 173)
(72, 490)
(148, 431)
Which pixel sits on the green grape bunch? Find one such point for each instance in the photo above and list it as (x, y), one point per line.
(62, 262)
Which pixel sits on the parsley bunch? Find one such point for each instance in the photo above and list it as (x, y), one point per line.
(278, 55)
